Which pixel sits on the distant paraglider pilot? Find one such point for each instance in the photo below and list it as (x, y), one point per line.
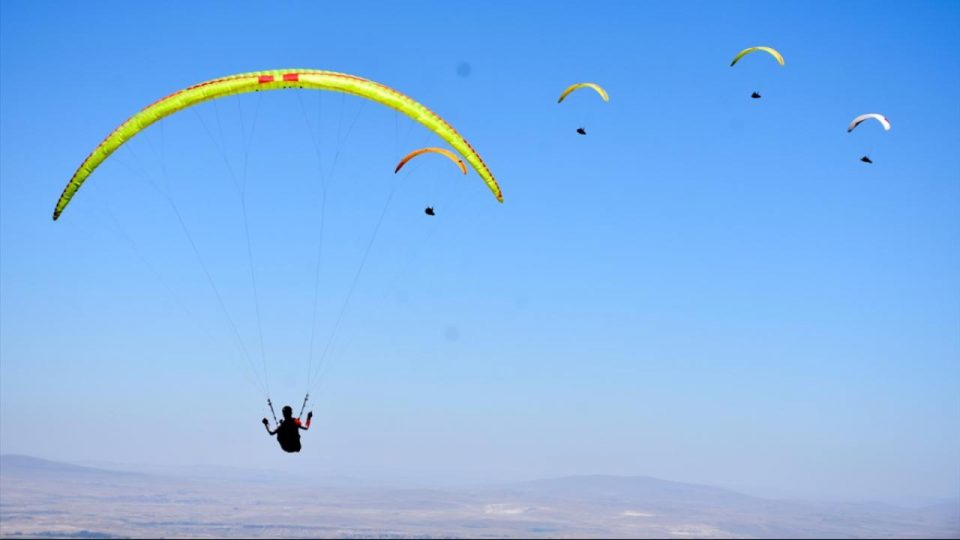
(865, 159)
(288, 430)
(755, 95)
(429, 211)
(581, 131)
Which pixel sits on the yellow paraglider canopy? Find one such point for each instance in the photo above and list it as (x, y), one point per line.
(274, 80)
(574, 87)
(769, 50)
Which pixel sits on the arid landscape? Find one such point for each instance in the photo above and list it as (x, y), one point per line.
(41, 498)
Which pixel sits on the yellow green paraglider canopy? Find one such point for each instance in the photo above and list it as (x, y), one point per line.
(274, 80)
(769, 50)
(574, 87)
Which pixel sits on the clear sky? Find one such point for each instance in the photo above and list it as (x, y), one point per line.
(705, 288)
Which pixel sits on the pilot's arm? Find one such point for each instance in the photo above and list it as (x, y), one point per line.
(307, 426)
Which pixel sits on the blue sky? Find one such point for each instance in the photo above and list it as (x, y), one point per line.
(705, 288)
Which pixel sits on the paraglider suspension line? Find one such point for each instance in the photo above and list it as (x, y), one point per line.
(272, 412)
(304, 406)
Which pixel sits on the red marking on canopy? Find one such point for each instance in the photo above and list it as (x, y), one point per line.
(265, 79)
(291, 76)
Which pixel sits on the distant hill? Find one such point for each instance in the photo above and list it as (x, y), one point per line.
(629, 489)
(20, 465)
(43, 498)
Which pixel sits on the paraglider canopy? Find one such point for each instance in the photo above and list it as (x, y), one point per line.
(448, 154)
(769, 50)
(574, 87)
(274, 80)
(864, 117)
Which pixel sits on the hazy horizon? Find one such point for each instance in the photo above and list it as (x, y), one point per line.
(213, 471)
(106, 504)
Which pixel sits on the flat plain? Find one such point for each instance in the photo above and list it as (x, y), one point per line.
(40, 498)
